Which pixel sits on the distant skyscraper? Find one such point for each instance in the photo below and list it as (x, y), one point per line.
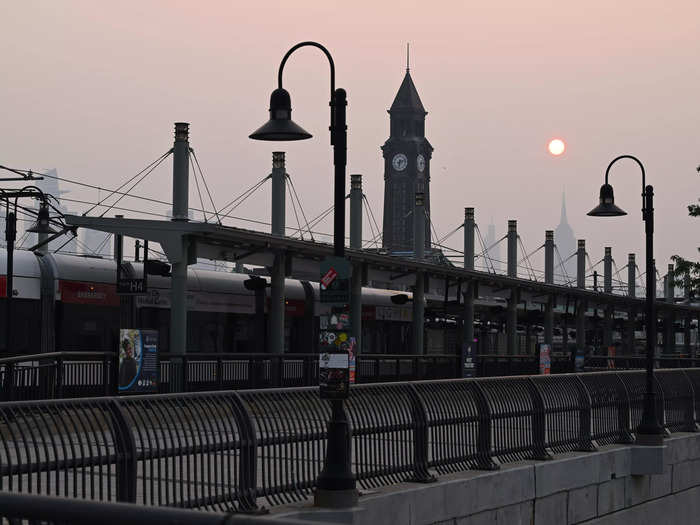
(565, 241)
(494, 253)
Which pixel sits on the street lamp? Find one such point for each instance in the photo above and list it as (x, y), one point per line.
(41, 226)
(649, 431)
(336, 483)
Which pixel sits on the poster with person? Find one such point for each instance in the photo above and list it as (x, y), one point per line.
(138, 361)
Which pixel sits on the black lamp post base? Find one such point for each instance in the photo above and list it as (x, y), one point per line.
(654, 440)
(336, 499)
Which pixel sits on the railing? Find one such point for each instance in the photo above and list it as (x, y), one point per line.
(236, 450)
(52, 510)
(62, 375)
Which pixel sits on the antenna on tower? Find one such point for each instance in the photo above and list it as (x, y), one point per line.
(408, 56)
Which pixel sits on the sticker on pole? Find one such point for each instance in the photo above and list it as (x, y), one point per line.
(328, 278)
(545, 359)
(334, 375)
(335, 280)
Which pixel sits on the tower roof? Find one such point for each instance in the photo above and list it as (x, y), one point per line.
(407, 98)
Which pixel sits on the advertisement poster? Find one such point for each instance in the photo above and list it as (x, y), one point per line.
(334, 375)
(545, 359)
(138, 361)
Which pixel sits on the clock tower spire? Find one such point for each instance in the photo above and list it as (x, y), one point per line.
(407, 156)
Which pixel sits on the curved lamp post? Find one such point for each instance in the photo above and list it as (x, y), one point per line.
(649, 431)
(336, 483)
(41, 226)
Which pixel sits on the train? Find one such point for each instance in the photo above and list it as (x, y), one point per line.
(70, 303)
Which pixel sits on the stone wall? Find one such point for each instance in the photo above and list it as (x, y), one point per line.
(593, 488)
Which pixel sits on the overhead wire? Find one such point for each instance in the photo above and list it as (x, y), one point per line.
(206, 186)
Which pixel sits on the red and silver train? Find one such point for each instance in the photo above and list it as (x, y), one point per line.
(69, 303)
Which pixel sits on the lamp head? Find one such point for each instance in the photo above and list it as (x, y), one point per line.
(42, 224)
(280, 127)
(607, 207)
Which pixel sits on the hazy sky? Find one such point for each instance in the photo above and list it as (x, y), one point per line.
(93, 88)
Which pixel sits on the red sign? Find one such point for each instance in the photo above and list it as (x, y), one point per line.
(88, 293)
(327, 279)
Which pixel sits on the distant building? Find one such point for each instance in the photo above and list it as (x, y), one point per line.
(407, 155)
(493, 256)
(565, 242)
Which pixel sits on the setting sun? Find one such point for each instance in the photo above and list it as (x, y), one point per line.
(556, 147)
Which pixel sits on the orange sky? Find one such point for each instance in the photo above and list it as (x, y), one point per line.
(93, 88)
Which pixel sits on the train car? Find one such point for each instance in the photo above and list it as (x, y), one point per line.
(69, 303)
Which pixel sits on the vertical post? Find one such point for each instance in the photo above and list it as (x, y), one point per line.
(649, 431)
(336, 483)
(356, 244)
(419, 289)
(670, 318)
(512, 311)
(549, 279)
(631, 275)
(276, 334)
(581, 304)
(10, 237)
(632, 312)
(607, 288)
(178, 306)
(468, 321)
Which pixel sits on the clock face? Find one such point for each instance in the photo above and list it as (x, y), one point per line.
(420, 163)
(399, 162)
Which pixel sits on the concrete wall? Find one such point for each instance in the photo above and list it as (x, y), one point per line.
(587, 488)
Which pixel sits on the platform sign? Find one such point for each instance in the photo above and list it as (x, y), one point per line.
(468, 364)
(545, 359)
(335, 280)
(334, 375)
(138, 361)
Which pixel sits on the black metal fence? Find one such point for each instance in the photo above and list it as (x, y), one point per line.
(63, 375)
(237, 450)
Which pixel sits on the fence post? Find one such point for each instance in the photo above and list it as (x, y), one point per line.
(10, 381)
(539, 434)
(59, 377)
(624, 409)
(219, 372)
(585, 442)
(105, 375)
(691, 425)
(661, 405)
(125, 447)
(248, 472)
(484, 458)
(419, 418)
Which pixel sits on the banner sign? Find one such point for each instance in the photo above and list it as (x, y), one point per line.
(468, 365)
(138, 361)
(545, 359)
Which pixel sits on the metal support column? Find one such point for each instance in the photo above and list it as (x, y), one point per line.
(512, 313)
(581, 304)
(632, 312)
(549, 279)
(276, 333)
(468, 320)
(607, 288)
(419, 289)
(178, 307)
(356, 244)
(670, 318)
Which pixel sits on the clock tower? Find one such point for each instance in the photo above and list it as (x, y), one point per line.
(407, 156)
